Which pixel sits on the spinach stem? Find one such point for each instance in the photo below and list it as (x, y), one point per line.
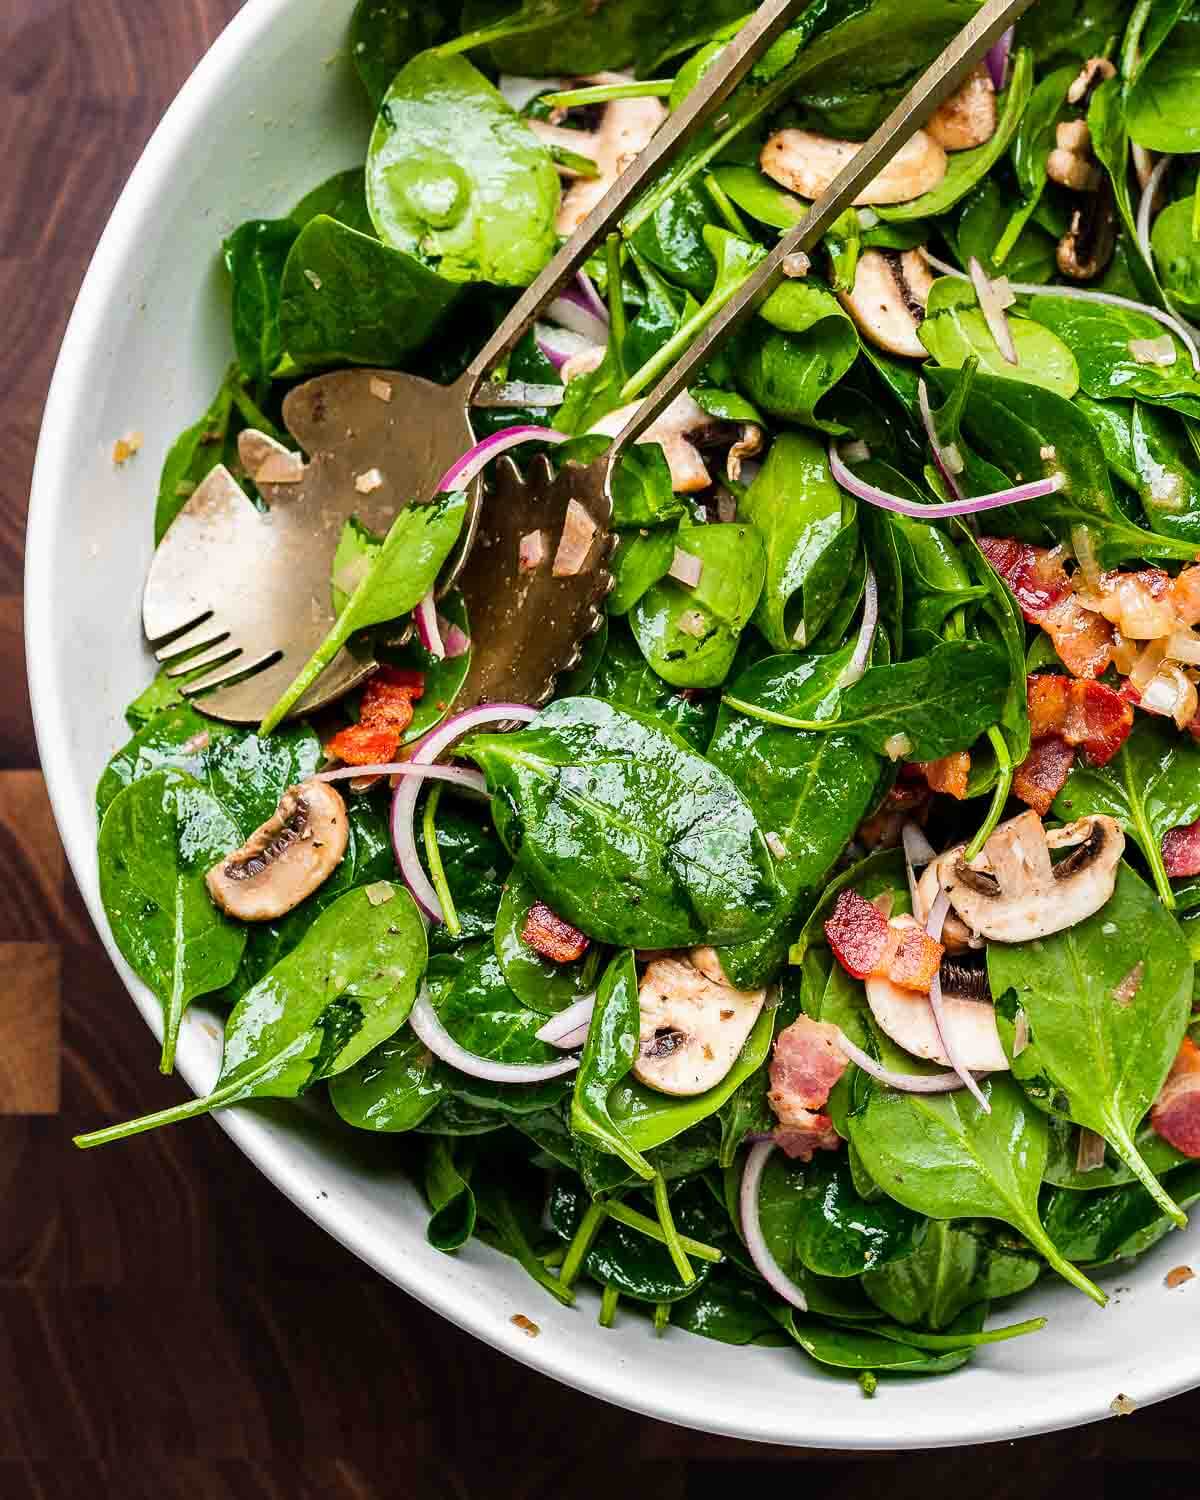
(616, 302)
(554, 1257)
(726, 208)
(939, 1341)
(1149, 843)
(603, 93)
(574, 161)
(253, 413)
(1132, 1157)
(1132, 44)
(769, 716)
(868, 1382)
(608, 1306)
(632, 1219)
(662, 1205)
(437, 871)
(662, 1317)
(679, 341)
(589, 1226)
(1034, 1232)
(999, 796)
(127, 1128)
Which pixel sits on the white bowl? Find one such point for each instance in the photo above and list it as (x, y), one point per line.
(266, 115)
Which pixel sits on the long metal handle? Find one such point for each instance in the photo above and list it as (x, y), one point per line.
(935, 85)
(734, 62)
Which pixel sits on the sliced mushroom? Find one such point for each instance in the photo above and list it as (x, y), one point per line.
(1013, 892)
(970, 1018)
(887, 301)
(682, 430)
(1087, 247)
(693, 1023)
(625, 128)
(284, 861)
(1094, 72)
(956, 937)
(1070, 164)
(968, 117)
(807, 163)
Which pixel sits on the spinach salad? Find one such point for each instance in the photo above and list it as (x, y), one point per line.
(817, 967)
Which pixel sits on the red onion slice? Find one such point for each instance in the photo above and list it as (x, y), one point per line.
(424, 1021)
(1146, 208)
(576, 1016)
(1182, 331)
(426, 618)
(459, 776)
(768, 1267)
(905, 1083)
(457, 641)
(573, 311)
(994, 312)
(917, 851)
(591, 298)
(872, 495)
(997, 59)
(937, 920)
(560, 345)
(404, 802)
(476, 459)
(857, 664)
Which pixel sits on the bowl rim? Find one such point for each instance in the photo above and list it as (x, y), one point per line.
(608, 1380)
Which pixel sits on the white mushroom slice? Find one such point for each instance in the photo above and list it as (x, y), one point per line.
(968, 117)
(807, 163)
(970, 1018)
(625, 129)
(1013, 892)
(674, 430)
(956, 936)
(285, 860)
(693, 1026)
(888, 299)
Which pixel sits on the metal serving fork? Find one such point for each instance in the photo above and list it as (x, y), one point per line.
(253, 591)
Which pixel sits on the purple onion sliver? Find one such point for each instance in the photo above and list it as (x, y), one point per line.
(768, 1267)
(576, 1015)
(905, 1083)
(591, 297)
(425, 1022)
(426, 618)
(458, 642)
(997, 59)
(872, 495)
(917, 851)
(857, 664)
(459, 776)
(1146, 207)
(570, 311)
(476, 459)
(937, 920)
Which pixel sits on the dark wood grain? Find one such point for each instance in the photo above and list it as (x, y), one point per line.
(170, 1327)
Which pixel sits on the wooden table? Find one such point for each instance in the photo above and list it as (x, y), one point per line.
(170, 1326)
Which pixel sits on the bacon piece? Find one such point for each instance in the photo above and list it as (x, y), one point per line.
(1181, 850)
(868, 946)
(546, 933)
(1043, 773)
(1185, 596)
(1040, 585)
(1086, 714)
(385, 713)
(1176, 1112)
(949, 774)
(806, 1064)
(908, 799)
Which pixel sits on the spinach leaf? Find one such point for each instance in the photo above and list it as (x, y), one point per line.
(1097, 1052)
(194, 454)
(1032, 144)
(626, 679)
(1012, 424)
(1168, 480)
(954, 329)
(1107, 125)
(345, 298)
(966, 168)
(1112, 422)
(1070, 29)
(452, 1222)
(538, 982)
(812, 1215)
(808, 530)
(730, 1311)
(1100, 337)
(456, 177)
(540, 38)
(347, 986)
(343, 197)
(1003, 613)
(255, 254)
(755, 194)
(394, 1088)
(690, 636)
(810, 789)
(1062, 1166)
(608, 1057)
(403, 572)
(158, 840)
(795, 352)
(1161, 105)
(641, 559)
(247, 775)
(866, 1349)
(988, 221)
(385, 34)
(1177, 254)
(956, 1266)
(1119, 1223)
(941, 1155)
(1150, 786)
(636, 840)
(673, 239)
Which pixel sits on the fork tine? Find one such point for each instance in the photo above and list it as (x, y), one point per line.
(238, 669)
(205, 632)
(217, 657)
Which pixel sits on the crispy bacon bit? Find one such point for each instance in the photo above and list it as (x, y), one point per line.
(1185, 596)
(385, 713)
(807, 1062)
(125, 447)
(578, 531)
(949, 774)
(1176, 1112)
(519, 1320)
(868, 946)
(1177, 1276)
(1086, 714)
(1043, 773)
(546, 933)
(908, 800)
(1041, 587)
(1181, 850)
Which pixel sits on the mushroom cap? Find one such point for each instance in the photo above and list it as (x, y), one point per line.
(887, 301)
(968, 117)
(692, 1026)
(625, 129)
(956, 935)
(676, 431)
(1013, 893)
(280, 864)
(807, 164)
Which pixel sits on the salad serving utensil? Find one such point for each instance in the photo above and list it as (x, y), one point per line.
(247, 594)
